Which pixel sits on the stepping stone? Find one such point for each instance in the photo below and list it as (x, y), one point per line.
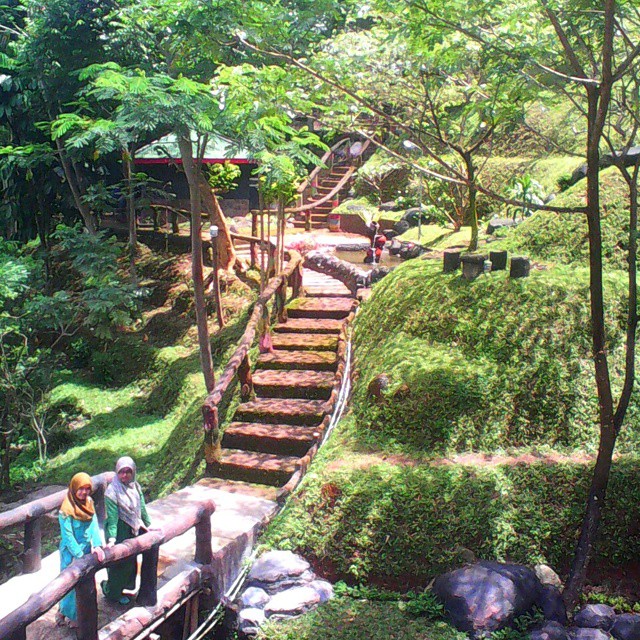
(282, 411)
(309, 325)
(279, 439)
(251, 466)
(336, 308)
(297, 341)
(274, 383)
(314, 360)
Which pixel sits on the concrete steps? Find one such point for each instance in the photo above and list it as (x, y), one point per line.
(309, 385)
(293, 387)
(309, 325)
(302, 342)
(277, 439)
(298, 360)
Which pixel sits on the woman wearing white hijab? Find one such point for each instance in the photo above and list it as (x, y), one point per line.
(127, 517)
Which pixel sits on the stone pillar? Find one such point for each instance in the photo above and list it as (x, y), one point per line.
(498, 260)
(472, 265)
(451, 261)
(520, 267)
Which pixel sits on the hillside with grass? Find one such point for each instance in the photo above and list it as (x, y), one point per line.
(473, 426)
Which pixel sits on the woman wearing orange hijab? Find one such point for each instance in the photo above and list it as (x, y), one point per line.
(79, 535)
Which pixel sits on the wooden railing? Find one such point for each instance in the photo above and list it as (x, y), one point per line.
(30, 515)
(239, 363)
(80, 575)
(327, 164)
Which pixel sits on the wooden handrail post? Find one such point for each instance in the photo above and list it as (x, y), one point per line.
(281, 298)
(148, 594)
(296, 282)
(253, 247)
(87, 607)
(98, 501)
(246, 379)
(32, 558)
(212, 449)
(204, 551)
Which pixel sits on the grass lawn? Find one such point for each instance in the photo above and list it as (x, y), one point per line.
(347, 619)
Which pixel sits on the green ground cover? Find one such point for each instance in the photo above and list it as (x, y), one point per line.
(496, 366)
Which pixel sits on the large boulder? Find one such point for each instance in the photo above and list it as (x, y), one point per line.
(487, 596)
(595, 616)
(626, 626)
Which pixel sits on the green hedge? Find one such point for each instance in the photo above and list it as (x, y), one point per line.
(401, 524)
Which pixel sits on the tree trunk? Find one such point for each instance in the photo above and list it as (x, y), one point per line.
(192, 171)
(127, 163)
(226, 251)
(89, 219)
(600, 479)
(472, 210)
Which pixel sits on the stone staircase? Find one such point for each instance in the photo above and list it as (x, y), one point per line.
(325, 185)
(296, 386)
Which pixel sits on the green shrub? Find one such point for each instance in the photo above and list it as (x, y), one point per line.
(563, 238)
(401, 523)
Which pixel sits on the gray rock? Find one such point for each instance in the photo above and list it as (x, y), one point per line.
(377, 273)
(486, 596)
(254, 597)
(276, 565)
(410, 250)
(552, 605)
(547, 575)
(292, 602)
(395, 247)
(392, 205)
(626, 626)
(324, 589)
(595, 616)
(401, 227)
(550, 631)
(250, 621)
(580, 633)
(499, 223)
(277, 570)
(284, 583)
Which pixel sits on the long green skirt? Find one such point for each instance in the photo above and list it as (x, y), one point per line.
(122, 575)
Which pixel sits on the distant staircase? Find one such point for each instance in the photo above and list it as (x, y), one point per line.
(327, 185)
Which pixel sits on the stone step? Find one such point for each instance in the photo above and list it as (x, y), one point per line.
(309, 325)
(311, 360)
(255, 467)
(304, 342)
(336, 308)
(310, 385)
(339, 291)
(277, 439)
(253, 490)
(282, 411)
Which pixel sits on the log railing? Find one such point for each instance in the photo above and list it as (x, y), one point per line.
(80, 575)
(30, 515)
(239, 364)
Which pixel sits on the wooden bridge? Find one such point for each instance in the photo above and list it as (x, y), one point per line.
(203, 532)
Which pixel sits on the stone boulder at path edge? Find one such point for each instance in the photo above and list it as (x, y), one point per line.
(487, 596)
